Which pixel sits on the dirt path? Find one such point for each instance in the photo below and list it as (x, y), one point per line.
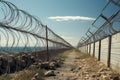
(65, 72)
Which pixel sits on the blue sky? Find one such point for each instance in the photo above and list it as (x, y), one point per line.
(68, 18)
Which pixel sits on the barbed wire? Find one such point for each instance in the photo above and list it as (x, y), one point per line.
(18, 28)
(109, 26)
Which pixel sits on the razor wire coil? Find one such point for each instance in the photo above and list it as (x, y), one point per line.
(18, 28)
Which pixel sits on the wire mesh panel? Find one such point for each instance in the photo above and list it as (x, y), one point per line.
(91, 53)
(104, 50)
(88, 48)
(115, 52)
(96, 49)
(111, 6)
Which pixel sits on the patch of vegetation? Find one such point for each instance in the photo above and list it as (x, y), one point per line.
(77, 50)
(23, 75)
(5, 77)
(65, 54)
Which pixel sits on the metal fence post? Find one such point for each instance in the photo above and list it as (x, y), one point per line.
(47, 51)
(109, 50)
(86, 48)
(99, 50)
(89, 48)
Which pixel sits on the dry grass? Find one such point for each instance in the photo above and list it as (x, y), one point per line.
(65, 54)
(23, 75)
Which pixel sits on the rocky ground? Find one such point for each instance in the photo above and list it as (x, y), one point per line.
(10, 63)
(70, 65)
(32, 66)
(78, 66)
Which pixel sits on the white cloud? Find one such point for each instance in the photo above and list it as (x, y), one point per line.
(73, 18)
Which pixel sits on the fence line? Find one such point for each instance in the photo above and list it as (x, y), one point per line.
(103, 42)
(19, 28)
(107, 51)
